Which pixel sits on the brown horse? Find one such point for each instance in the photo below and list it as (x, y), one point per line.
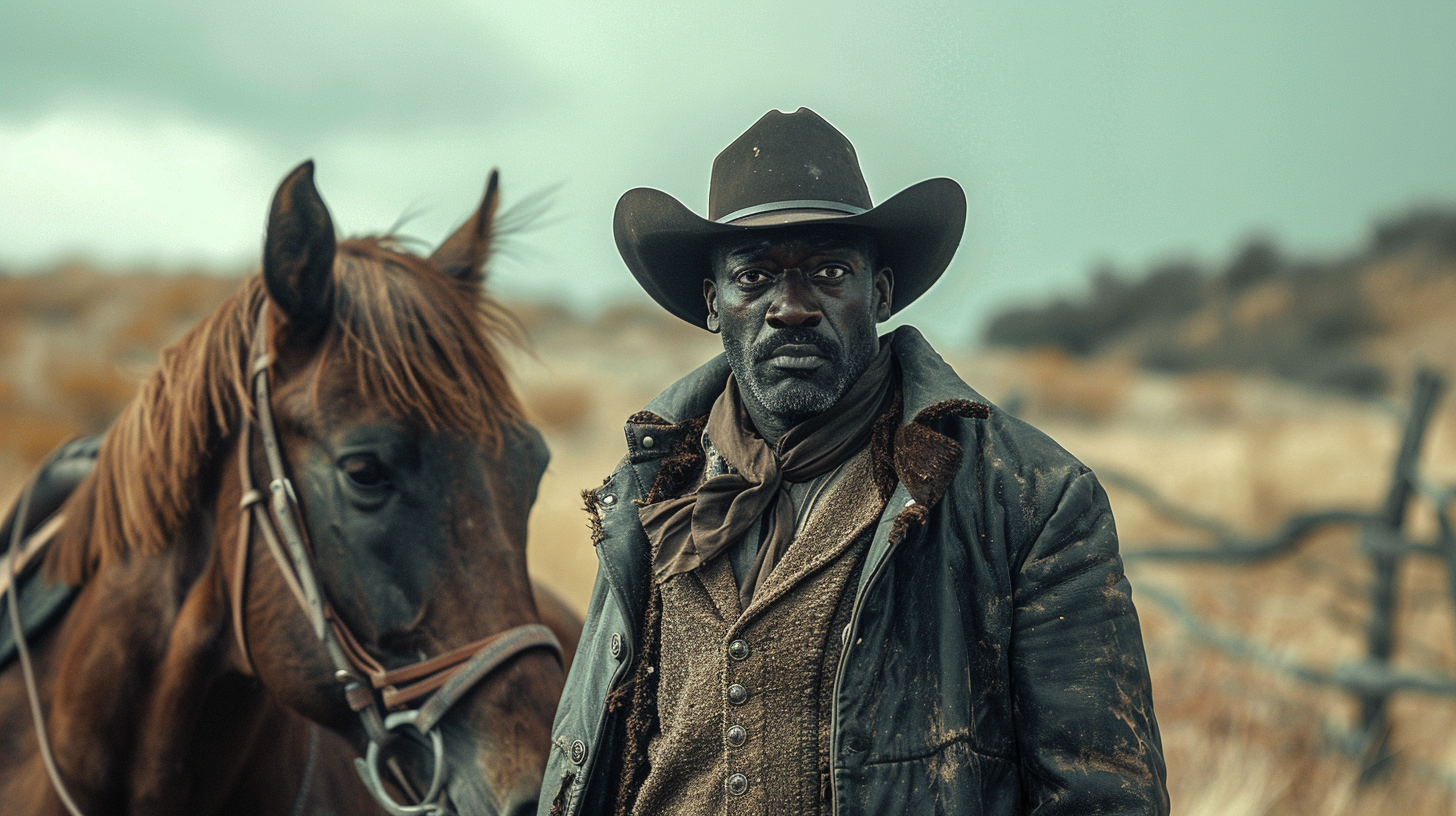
(199, 670)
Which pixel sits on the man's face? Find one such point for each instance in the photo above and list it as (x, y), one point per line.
(798, 310)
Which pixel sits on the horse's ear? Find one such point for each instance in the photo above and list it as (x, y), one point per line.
(463, 254)
(298, 252)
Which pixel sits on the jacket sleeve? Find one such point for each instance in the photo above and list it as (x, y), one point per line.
(1086, 735)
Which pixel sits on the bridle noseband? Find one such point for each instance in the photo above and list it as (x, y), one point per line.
(439, 682)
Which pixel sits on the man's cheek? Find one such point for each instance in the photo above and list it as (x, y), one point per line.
(742, 310)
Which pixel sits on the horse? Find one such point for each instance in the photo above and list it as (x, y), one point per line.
(302, 542)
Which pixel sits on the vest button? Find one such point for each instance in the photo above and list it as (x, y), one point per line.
(738, 649)
(578, 752)
(648, 442)
(609, 499)
(737, 784)
(616, 645)
(737, 694)
(736, 736)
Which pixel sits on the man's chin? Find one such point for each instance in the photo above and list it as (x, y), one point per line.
(795, 397)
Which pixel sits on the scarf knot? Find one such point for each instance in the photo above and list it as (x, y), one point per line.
(691, 530)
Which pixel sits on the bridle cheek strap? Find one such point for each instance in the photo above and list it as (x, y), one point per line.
(240, 572)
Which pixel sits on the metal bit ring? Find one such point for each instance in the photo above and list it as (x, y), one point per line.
(369, 769)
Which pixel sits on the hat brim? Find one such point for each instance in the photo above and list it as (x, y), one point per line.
(666, 246)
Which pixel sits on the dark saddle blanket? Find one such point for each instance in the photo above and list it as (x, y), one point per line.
(42, 603)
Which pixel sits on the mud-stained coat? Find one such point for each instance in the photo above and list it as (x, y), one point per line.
(994, 663)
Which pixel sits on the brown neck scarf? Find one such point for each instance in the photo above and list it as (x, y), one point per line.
(691, 530)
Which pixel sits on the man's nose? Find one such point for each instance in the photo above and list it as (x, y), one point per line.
(794, 305)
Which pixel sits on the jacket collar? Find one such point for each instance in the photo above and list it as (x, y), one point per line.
(693, 395)
(925, 459)
(927, 380)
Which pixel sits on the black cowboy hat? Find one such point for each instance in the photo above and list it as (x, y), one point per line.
(789, 168)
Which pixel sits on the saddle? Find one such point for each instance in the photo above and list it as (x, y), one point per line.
(42, 603)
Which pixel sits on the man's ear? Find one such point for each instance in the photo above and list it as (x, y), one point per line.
(885, 290)
(710, 294)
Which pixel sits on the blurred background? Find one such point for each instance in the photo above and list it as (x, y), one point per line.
(1209, 247)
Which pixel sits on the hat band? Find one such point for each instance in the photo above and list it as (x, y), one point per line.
(801, 204)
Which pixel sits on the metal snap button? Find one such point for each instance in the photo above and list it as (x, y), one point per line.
(737, 735)
(578, 752)
(738, 784)
(738, 649)
(648, 442)
(617, 645)
(737, 694)
(609, 499)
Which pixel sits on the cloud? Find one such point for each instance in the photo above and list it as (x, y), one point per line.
(99, 185)
(279, 69)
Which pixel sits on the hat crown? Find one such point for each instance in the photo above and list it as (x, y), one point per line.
(790, 158)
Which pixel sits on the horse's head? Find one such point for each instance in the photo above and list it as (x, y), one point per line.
(414, 475)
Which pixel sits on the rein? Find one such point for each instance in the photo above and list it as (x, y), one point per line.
(32, 692)
(440, 681)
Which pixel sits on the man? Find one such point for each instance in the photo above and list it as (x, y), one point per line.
(834, 579)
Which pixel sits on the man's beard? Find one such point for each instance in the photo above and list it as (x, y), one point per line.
(788, 395)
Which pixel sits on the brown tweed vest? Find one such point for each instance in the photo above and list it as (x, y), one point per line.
(745, 696)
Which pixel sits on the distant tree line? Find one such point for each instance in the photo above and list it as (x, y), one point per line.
(1300, 319)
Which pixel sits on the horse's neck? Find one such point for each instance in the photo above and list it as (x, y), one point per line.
(252, 754)
(132, 665)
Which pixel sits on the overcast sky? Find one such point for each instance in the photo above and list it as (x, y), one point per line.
(156, 130)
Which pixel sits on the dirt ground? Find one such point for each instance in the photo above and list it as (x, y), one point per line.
(1241, 739)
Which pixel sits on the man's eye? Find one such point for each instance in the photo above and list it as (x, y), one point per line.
(831, 271)
(751, 276)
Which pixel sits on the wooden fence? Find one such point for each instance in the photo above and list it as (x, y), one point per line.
(1374, 679)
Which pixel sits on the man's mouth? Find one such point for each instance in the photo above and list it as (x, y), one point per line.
(798, 356)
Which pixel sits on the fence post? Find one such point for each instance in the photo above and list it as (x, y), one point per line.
(1383, 542)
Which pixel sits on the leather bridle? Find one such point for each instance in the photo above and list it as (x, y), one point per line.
(383, 705)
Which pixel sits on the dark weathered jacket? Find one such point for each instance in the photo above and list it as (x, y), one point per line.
(994, 663)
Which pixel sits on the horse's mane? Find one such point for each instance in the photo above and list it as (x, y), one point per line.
(415, 342)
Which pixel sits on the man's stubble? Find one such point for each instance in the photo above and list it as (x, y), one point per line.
(796, 397)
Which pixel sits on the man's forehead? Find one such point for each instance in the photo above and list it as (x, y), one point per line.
(811, 239)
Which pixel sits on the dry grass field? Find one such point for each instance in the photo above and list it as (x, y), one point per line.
(1240, 740)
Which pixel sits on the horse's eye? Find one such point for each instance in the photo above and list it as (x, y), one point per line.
(365, 471)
